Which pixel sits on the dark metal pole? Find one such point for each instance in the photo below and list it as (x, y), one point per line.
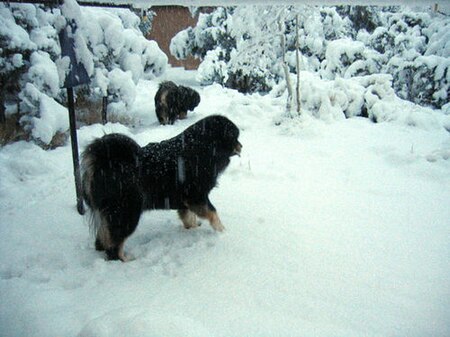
(75, 156)
(104, 110)
(2, 107)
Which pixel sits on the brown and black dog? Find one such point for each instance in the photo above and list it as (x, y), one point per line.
(122, 179)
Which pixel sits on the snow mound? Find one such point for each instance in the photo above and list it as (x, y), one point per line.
(139, 322)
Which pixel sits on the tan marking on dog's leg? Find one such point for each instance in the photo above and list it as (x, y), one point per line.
(121, 253)
(188, 218)
(211, 216)
(214, 221)
(104, 236)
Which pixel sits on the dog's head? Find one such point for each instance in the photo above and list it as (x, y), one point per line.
(222, 133)
(189, 97)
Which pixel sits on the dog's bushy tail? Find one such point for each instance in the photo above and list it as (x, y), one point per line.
(107, 164)
(88, 166)
(87, 175)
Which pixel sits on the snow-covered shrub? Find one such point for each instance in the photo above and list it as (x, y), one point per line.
(212, 30)
(228, 48)
(418, 53)
(240, 47)
(17, 26)
(361, 17)
(369, 96)
(348, 58)
(212, 40)
(52, 118)
(424, 80)
(345, 98)
(106, 40)
(121, 89)
(108, 43)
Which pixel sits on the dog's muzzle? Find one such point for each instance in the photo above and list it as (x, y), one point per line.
(237, 149)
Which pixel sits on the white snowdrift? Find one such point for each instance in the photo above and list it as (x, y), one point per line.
(336, 228)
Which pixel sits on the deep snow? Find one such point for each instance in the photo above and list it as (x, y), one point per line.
(333, 228)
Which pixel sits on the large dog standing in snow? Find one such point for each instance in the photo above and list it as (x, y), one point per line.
(122, 179)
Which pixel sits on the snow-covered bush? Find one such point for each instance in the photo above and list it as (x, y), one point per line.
(348, 58)
(420, 58)
(345, 97)
(228, 50)
(240, 47)
(108, 43)
(424, 80)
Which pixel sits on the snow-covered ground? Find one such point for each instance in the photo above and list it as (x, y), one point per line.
(336, 228)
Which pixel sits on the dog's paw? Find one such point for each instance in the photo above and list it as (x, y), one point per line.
(192, 225)
(127, 257)
(217, 226)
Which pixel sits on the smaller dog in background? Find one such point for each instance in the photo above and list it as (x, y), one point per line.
(173, 101)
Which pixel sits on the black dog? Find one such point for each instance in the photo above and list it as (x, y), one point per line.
(172, 102)
(122, 179)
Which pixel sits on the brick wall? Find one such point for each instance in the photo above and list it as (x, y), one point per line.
(170, 20)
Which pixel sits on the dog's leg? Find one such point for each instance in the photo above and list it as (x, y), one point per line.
(208, 211)
(103, 236)
(182, 114)
(99, 246)
(122, 218)
(173, 114)
(188, 218)
(116, 252)
(105, 242)
(121, 254)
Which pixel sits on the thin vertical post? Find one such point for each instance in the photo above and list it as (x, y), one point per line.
(75, 156)
(297, 56)
(104, 110)
(282, 28)
(2, 108)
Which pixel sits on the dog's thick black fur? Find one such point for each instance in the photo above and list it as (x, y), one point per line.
(173, 101)
(122, 179)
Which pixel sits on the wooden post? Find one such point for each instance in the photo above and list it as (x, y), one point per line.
(75, 156)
